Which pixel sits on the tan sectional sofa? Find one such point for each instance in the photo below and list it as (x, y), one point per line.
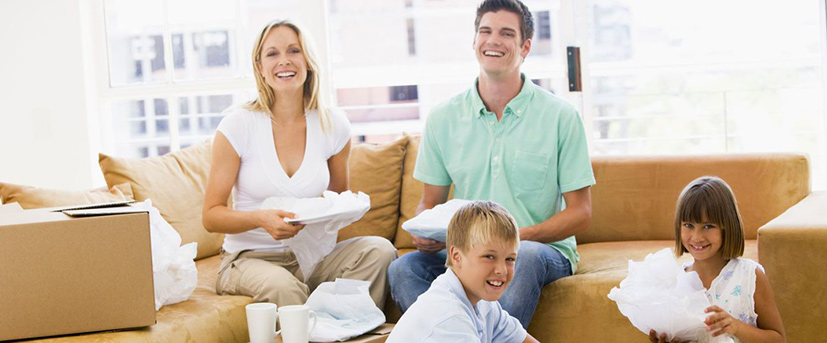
(633, 205)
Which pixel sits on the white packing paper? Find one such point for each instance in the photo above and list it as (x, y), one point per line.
(433, 223)
(173, 265)
(658, 294)
(324, 217)
(344, 310)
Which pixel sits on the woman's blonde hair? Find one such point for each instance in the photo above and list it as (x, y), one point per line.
(481, 222)
(710, 198)
(312, 93)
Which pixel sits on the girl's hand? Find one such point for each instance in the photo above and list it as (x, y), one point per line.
(654, 338)
(273, 222)
(721, 322)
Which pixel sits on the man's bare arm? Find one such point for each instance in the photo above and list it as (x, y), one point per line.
(574, 219)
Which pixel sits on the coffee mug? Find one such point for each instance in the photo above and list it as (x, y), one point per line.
(295, 323)
(261, 322)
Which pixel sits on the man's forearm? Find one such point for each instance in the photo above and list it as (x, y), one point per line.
(575, 219)
(560, 226)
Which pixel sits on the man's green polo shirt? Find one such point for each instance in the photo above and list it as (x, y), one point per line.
(523, 162)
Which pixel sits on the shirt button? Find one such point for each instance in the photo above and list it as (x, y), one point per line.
(491, 123)
(519, 111)
(499, 140)
(496, 158)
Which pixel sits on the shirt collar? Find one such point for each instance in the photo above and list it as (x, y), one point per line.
(517, 105)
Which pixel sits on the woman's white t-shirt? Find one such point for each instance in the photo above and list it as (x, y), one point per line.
(261, 176)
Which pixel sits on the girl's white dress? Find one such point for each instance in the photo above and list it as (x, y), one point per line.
(733, 290)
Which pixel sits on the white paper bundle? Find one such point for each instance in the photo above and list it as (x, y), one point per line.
(433, 223)
(344, 309)
(658, 294)
(173, 268)
(324, 217)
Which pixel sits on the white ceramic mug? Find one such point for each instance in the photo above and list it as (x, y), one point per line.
(261, 322)
(295, 323)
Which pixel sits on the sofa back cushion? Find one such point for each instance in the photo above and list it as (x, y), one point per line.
(376, 170)
(411, 194)
(635, 196)
(175, 183)
(32, 197)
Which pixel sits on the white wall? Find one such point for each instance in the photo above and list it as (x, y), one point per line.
(44, 108)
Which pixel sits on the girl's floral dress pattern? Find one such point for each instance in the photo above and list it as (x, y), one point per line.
(733, 290)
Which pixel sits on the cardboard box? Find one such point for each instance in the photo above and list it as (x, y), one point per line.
(62, 275)
(378, 335)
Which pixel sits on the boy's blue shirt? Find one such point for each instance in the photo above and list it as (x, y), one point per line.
(444, 314)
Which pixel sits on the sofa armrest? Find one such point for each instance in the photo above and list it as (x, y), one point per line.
(793, 249)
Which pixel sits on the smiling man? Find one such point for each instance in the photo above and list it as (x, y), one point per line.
(509, 141)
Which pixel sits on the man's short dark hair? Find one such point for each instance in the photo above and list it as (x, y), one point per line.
(513, 6)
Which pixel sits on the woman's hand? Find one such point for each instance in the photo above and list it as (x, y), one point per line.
(273, 222)
(655, 338)
(721, 322)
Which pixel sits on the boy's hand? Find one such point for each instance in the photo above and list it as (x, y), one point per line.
(426, 245)
(654, 338)
(721, 322)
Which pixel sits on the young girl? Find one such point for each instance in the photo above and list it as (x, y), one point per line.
(709, 227)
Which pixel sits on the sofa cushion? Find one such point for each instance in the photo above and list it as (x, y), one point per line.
(565, 303)
(205, 317)
(32, 197)
(376, 170)
(411, 194)
(175, 183)
(643, 191)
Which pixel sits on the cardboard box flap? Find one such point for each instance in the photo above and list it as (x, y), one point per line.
(89, 206)
(104, 211)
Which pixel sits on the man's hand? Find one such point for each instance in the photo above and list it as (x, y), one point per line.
(426, 245)
(273, 222)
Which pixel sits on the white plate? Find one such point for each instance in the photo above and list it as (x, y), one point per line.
(311, 220)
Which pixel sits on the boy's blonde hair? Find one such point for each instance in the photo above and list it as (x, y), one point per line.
(481, 222)
(711, 198)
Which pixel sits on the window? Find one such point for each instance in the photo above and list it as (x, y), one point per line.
(661, 84)
(173, 71)
(411, 37)
(543, 24)
(654, 81)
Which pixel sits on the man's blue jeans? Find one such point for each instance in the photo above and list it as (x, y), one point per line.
(537, 265)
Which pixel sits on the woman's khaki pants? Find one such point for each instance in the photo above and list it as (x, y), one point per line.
(275, 276)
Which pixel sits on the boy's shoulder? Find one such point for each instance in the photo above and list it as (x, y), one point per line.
(435, 313)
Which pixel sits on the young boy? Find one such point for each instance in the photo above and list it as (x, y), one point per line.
(461, 304)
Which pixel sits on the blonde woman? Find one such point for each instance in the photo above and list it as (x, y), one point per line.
(285, 143)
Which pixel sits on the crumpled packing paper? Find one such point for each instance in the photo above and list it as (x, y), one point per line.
(173, 265)
(317, 240)
(433, 223)
(344, 310)
(658, 294)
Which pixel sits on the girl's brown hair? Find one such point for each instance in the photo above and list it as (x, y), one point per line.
(708, 198)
